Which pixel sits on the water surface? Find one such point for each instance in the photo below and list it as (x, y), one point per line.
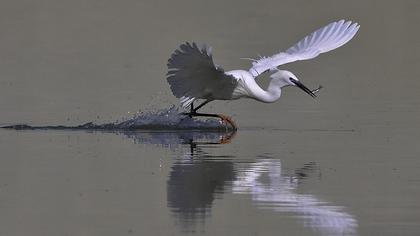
(204, 183)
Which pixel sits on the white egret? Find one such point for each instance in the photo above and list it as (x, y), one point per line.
(193, 75)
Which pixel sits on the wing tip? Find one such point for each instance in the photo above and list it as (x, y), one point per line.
(351, 23)
(203, 48)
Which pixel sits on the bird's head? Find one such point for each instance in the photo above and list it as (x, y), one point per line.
(284, 78)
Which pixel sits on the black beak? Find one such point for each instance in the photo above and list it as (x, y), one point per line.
(303, 87)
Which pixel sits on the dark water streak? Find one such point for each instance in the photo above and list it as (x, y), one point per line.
(165, 119)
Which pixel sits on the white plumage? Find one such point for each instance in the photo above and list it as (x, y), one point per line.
(193, 75)
(325, 39)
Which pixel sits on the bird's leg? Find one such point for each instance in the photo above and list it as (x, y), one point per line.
(225, 119)
(200, 106)
(193, 112)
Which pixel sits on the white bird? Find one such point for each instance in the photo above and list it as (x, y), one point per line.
(193, 75)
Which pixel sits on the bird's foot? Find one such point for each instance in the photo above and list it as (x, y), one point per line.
(190, 114)
(223, 118)
(225, 139)
(227, 120)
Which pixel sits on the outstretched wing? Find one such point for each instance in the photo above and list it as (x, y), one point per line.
(322, 40)
(193, 75)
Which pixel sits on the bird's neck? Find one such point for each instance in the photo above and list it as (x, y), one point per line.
(249, 88)
(272, 93)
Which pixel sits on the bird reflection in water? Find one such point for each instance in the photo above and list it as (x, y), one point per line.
(272, 190)
(198, 177)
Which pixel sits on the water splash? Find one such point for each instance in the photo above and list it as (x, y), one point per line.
(164, 119)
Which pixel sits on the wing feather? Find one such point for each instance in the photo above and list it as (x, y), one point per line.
(193, 75)
(325, 39)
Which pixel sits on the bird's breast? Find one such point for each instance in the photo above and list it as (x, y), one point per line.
(244, 78)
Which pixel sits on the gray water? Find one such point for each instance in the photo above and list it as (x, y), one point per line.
(346, 163)
(294, 182)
